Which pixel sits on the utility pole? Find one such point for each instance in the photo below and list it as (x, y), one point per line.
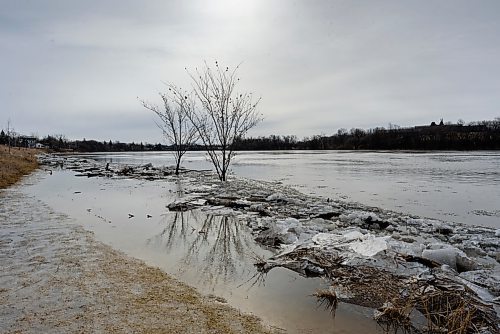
(8, 133)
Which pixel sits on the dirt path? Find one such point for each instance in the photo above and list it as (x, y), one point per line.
(56, 278)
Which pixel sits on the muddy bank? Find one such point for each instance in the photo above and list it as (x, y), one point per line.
(57, 278)
(373, 257)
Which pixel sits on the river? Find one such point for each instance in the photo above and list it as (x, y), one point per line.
(451, 186)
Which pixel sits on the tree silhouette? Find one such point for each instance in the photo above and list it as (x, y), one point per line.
(224, 115)
(174, 122)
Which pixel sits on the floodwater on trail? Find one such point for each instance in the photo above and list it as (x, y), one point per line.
(451, 186)
(215, 254)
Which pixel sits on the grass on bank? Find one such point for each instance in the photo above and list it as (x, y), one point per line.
(15, 164)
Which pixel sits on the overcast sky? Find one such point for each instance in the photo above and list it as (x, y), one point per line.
(78, 67)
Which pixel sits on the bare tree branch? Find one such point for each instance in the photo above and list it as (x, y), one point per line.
(224, 115)
(173, 120)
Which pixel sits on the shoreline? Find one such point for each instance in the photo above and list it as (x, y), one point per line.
(57, 278)
(369, 241)
(15, 163)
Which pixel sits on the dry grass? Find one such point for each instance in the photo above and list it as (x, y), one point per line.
(327, 298)
(446, 311)
(452, 311)
(15, 164)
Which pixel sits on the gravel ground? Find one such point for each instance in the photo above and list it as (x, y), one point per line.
(56, 278)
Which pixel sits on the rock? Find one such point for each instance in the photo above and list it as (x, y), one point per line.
(474, 251)
(445, 230)
(270, 238)
(261, 209)
(126, 170)
(409, 240)
(179, 206)
(327, 215)
(312, 270)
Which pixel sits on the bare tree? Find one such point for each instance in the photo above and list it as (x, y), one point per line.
(224, 116)
(174, 123)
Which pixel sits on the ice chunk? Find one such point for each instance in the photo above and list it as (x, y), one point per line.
(451, 256)
(401, 247)
(370, 245)
(443, 256)
(484, 278)
(276, 197)
(289, 238)
(327, 239)
(291, 221)
(199, 201)
(352, 235)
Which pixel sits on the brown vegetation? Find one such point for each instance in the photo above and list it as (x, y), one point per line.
(328, 299)
(447, 308)
(15, 163)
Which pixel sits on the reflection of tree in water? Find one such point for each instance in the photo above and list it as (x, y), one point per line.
(175, 231)
(219, 248)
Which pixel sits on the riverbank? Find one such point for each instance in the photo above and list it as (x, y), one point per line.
(57, 278)
(373, 257)
(15, 163)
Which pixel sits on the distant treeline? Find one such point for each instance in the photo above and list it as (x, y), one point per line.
(483, 135)
(59, 144)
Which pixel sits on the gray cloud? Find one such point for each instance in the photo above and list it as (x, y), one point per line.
(77, 67)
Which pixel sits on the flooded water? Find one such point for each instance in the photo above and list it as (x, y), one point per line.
(451, 186)
(215, 254)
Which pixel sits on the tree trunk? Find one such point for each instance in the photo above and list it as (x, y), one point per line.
(178, 163)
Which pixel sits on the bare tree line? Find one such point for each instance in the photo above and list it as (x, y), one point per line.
(480, 135)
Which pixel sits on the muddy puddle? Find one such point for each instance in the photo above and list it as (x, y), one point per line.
(216, 254)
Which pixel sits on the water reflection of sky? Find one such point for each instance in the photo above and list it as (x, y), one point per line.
(444, 185)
